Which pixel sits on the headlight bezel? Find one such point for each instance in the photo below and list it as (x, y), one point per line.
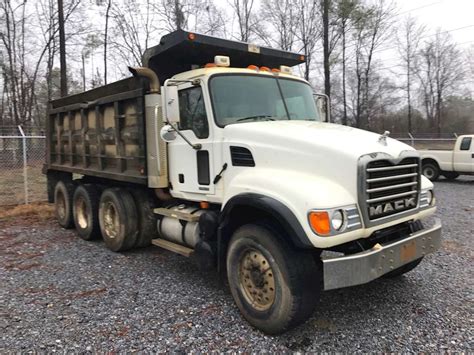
(351, 219)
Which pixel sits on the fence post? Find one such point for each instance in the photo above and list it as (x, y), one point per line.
(25, 164)
(412, 139)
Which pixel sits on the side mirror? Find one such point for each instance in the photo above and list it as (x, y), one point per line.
(168, 133)
(323, 105)
(171, 104)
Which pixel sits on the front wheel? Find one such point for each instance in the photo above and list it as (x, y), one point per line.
(274, 286)
(431, 171)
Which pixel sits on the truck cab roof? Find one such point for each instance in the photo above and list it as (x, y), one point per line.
(181, 51)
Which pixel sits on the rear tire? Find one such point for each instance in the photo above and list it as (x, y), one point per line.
(450, 175)
(431, 171)
(403, 269)
(63, 194)
(275, 286)
(118, 219)
(86, 211)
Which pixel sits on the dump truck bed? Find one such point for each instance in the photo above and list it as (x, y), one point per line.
(100, 132)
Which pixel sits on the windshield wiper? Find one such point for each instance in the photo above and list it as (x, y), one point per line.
(268, 117)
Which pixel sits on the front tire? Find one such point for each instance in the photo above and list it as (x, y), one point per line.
(118, 219)
(274, 286)
(431, 171)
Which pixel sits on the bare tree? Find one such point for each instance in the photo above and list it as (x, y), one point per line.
(282, 20)
(439, 69)
(62, 48)
(408, 41)
(106, 35)
(245, 19)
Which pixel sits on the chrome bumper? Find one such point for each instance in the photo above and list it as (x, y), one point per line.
(360, 268)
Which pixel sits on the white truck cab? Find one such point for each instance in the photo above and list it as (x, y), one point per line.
(235, 163)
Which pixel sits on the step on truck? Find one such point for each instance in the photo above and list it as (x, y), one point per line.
(217, 151)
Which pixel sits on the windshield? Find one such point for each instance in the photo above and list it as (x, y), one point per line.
(246, 98)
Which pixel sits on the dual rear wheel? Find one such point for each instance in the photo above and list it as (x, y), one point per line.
(111, 213)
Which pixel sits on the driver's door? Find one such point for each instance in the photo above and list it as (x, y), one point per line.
(190, 170)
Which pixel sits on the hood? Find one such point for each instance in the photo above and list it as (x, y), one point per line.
(315, 149)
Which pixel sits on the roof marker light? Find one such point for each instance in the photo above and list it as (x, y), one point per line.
(253, 67)
(210, 65)
(275, 70)
(222, 61)
(191, 36)
(264, 69)
(285, 70)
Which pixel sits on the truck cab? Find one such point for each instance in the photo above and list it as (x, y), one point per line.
(218, 151)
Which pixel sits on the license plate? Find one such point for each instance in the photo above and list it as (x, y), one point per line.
(408, 252)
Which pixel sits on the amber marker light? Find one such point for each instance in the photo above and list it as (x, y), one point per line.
(301, 57)
(210, 65)
(191, 36)
(253, 67)
(204, 205)
(319, 222)
(264, 69)
(275, 70)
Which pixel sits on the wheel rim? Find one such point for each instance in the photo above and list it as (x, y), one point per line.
(256, 280)
(60, 205)
(111, 220)
(81, 213)
(428, 172)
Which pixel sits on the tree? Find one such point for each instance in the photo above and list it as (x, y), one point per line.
(327, 75)
(282, 22)
(408, 41)
(62, 48)
(245, 19)
(439, 69)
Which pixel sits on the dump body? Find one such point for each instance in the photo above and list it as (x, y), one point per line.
(100, 132)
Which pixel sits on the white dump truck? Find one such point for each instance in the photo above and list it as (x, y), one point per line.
(449, 163)
(216, 151)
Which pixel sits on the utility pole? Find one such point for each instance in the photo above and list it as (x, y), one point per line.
(62, 49)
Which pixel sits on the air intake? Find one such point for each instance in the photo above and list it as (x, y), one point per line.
(241, 156)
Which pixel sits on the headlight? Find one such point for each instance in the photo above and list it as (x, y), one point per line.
(430, 196)
(337, 219)
(334, 221)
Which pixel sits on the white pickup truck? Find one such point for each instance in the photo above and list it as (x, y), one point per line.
(450, 163)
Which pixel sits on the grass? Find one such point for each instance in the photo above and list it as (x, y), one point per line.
(12, 188)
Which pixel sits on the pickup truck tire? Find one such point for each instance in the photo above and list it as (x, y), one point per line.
(430, 170)
(86, 211)
(63, 193)
(118, 219)
(404, 269)
(275, 286)
(450, 175)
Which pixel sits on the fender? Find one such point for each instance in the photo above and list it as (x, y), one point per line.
(273, 207)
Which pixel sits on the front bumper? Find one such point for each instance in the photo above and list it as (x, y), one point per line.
(360, 268)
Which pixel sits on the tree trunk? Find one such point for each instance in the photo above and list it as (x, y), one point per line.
(327, 79)
(107, 14)
(62, 48)
(344, 96)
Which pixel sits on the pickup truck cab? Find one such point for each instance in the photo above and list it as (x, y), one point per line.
(450, 163)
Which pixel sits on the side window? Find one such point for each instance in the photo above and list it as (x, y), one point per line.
(193, 112)
(466, 143)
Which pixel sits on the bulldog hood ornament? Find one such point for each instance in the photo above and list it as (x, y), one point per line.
(383, 138)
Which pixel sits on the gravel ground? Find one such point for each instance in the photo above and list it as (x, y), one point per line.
(60, 293)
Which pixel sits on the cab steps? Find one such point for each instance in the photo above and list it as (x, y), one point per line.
(175, 248)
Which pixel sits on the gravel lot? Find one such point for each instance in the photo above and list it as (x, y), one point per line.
(60, 293)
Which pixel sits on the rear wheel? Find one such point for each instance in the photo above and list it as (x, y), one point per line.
(450, 175)
(275, 286)
(431, 171)
(118, 219)
(86, 211)
(63, 193)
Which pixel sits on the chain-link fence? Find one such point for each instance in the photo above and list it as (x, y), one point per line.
(422, 141)
(21, 159)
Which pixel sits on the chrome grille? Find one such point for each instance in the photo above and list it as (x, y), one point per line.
(391, 188)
